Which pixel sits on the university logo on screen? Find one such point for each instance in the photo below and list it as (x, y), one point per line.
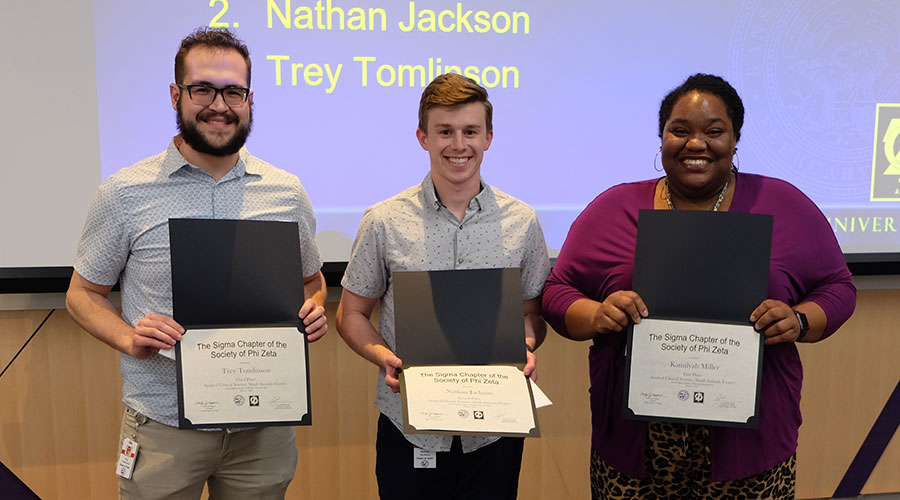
(886, 154)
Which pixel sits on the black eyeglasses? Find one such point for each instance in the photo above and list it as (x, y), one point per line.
(204, 95)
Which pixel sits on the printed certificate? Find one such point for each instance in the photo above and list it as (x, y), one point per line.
(466, 399)
(243, 377)
(695, 372)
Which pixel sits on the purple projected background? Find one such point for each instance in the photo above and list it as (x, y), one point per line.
(582, 118)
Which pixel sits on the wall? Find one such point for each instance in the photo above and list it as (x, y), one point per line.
(60, 411)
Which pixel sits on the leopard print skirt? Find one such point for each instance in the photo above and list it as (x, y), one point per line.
(678, 467)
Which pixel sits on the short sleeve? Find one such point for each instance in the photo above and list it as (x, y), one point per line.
(536, 261)
(306, 222)
(366, 274)
(105, 244)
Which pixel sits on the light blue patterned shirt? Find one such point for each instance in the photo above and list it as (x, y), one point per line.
(126, 239)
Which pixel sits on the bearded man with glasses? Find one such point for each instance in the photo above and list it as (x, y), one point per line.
(205, 173)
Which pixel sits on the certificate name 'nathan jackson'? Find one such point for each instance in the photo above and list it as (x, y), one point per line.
(490, 399)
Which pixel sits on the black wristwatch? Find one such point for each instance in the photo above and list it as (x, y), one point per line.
(804, 324)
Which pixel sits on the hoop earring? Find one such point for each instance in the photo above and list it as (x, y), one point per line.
(734, 167)
(658, 169)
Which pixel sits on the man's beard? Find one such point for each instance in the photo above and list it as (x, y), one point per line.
(195, 139)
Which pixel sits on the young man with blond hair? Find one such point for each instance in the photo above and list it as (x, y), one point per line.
(452, 220)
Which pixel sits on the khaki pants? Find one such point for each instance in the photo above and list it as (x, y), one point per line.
(174, 464)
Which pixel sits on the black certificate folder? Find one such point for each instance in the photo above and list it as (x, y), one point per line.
(702, 265)
(459, 317)
(235, 272)
(696, 358)
(237, 286)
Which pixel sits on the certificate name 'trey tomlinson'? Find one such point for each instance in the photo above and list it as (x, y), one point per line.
(236, 377)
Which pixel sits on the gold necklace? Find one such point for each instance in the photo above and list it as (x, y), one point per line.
(714, 208)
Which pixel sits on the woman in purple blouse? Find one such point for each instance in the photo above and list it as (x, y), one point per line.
(588, 296)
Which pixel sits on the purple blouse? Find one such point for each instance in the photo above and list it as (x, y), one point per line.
(597, 259)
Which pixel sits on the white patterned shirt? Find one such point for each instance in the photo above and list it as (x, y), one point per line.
(413, 231)
(126, 239)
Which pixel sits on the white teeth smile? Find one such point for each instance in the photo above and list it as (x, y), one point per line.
(696, 162)
(458, 161)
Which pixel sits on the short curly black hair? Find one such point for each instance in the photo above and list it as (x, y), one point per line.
(711, 84)
(214, 38)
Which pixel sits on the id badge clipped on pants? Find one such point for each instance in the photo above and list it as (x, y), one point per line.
(127, 458)
(424, 459)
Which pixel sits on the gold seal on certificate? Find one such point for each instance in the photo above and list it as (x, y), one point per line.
(493, 400)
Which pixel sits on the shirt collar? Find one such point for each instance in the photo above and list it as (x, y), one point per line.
(483, 200)
(174, 162)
